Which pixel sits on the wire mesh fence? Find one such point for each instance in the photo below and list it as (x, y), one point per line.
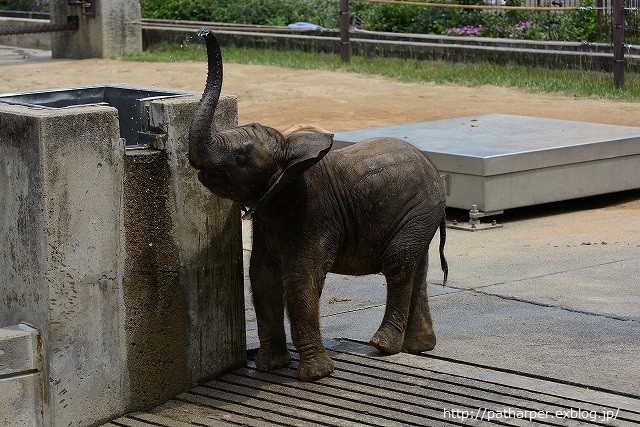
(603, 11)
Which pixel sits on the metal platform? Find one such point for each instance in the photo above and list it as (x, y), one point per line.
(401, 390)
(500, 162)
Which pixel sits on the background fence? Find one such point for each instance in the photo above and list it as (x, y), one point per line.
(553, 20)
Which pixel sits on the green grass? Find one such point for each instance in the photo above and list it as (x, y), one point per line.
(576, 83)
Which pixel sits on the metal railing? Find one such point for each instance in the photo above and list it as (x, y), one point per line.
(72, 24)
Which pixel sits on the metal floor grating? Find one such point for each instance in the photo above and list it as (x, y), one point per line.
(368, 389)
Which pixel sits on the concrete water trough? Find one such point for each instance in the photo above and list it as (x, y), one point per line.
(499, 162)
(129, 101)
(123, 270)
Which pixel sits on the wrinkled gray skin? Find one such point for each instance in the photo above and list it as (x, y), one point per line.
(372, 207)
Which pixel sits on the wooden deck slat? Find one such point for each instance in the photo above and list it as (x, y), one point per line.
(290, 405)
(444, 394)
(258, 412)
(368, 390)
(390, 385)
(344, 403)
(129, 422)
(285, 414)
(338, 392)
(350, 392)
(372, 394)
(439, 377)
(448, 397)
(551, 399)
(157, 419)
(425, 366)
(426, 406)
(204, 415)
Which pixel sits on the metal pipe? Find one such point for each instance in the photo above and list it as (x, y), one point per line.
(72, 24)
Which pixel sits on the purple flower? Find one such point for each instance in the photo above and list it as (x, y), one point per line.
(468, 30)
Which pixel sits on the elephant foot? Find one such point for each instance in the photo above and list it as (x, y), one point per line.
(416, 342)
(268, 361)
(315, 368)
(387, 340)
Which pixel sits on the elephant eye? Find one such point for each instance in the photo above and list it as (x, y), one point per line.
(242, 158)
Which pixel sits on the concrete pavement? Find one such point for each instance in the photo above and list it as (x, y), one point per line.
(554, 293)
(20, 55)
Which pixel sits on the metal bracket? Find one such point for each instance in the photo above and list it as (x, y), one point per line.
(88, 6)
(446, 180)
(474, 223)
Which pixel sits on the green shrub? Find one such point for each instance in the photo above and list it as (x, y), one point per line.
(256, 12)
(25, 5)
(579, 25)
(404, 19)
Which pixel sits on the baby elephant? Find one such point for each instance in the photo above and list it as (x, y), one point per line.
(372, 207)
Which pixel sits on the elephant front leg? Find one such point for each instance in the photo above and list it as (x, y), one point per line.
(303, 302)
(268, 301)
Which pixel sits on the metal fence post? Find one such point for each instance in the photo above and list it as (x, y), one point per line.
(345, 46)
(618, 42)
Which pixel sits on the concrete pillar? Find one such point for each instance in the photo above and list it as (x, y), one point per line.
(107, 28)
(129, 268)
(61, 265)
(183, 262)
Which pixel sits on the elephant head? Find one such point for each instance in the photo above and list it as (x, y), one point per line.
(250, 163)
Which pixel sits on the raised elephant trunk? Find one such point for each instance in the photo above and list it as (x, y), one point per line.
(200, 134)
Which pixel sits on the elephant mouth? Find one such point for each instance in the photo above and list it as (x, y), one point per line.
(216, 184)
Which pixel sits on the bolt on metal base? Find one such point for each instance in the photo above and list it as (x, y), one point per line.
(474, 223)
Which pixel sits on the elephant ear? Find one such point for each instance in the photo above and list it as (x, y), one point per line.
(303, 151)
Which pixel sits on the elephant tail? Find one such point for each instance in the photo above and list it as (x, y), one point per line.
(443, 239)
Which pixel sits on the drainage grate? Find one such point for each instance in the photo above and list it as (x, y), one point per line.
(368, 389)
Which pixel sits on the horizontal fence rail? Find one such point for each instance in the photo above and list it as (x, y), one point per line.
(603, 8)
(475, 6)
(618, 14)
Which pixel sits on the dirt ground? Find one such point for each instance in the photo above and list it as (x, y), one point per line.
(336, 101)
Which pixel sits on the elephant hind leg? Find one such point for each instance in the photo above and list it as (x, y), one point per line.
(419, 335)
(400, 275)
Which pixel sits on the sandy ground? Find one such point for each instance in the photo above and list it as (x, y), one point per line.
(336, 101)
